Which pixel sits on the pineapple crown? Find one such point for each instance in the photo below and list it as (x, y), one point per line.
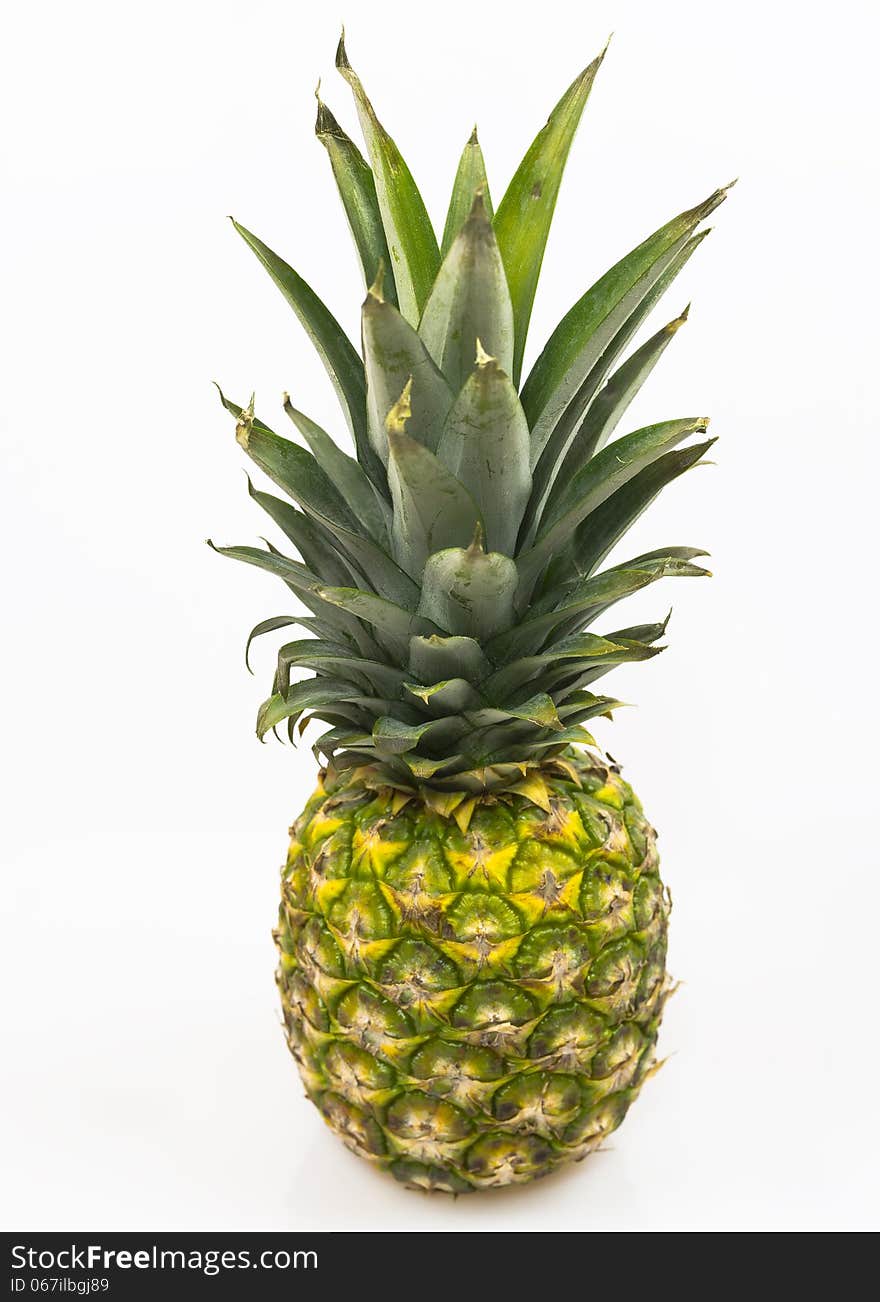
(451, 569)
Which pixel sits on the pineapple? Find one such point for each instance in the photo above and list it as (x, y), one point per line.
(472, 930)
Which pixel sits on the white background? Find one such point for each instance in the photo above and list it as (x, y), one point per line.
(147, 1085)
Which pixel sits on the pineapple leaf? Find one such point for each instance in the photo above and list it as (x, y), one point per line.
(470, 177)
(469, 592)
(303, 696)
(588, 327)
(422, 769)
(674, 561)
(586, 648)
(451, 696)
(598, 480)
(432, 510)
(393, 352)
(412, 243)
(432, 659)
(605, 527)
(663, 555)
(305, 584)
(469, 305)
(564, 687)
(593, 596)
(369, 507)
(336, 660)
(294, 574)
(624, 322)
(538, 709)
(343, 365)
(339, 715)
(394, 625)
(522, 222)
(304, 654)
(323, 628)
(610, 403)
(357, 190)
(341, 738)
(485, 444)
(393, 737)
(646, 633)
(266, 626)
(298, 473)
(545, 743)
(314, 543)
(565, 679)
(581, 706)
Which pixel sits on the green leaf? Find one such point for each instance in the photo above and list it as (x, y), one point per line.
(673, 561)
(357, 190)
(452, 696)
(395, 624)
(335, 660)
(589, 326)
(609, 405)
(314, 543)
(394, 353)
(233, 407)
(339, 715)
(599, 479)
(470, 177)
(305, 653)
(469, 592)
(423, 769)
(266, 626)
(412, 243)
(433, 659)
(395, 738)
(510, 726)
(564, 686)
(592, 596)
(485, 445)
(617, 464)
(606, 526)
(342, 739)
(432, 510)
(301, 477)
(581, 706)
(549, 743)
(469, 304)
(298, 576)
(344, 366)
(538, 709)
(368, 507)
(606, 345)
(646, 633)
(347, 709)
(663, 554)
(585, 648)
(522, 222)
(305, 584)
(302, 696)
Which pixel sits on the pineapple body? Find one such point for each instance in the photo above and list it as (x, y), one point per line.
(474, 1002)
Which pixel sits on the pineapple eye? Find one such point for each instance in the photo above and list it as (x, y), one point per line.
(415, 967)
(489, 1004)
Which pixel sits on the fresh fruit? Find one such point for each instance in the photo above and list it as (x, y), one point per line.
(473, 927)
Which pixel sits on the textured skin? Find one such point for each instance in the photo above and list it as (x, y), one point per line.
(473, 1008)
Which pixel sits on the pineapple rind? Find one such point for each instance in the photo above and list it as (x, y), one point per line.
(474, 1008)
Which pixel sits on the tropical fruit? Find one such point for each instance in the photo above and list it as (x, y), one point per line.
(472, 930)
